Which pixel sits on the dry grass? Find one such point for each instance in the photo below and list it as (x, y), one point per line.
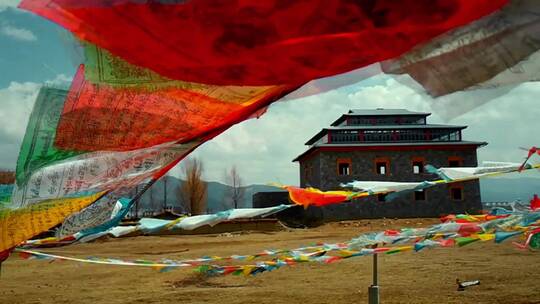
(506, 274)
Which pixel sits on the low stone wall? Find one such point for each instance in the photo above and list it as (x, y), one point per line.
(270, 199)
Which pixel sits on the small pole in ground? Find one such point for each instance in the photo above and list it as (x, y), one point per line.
(373, 290)
(3, 257)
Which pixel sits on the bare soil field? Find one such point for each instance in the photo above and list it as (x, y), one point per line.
(507, 275)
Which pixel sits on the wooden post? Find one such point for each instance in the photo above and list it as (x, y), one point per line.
(152, 204)
(136, 202)
(373, 290)
(165, 193)
(4, 255)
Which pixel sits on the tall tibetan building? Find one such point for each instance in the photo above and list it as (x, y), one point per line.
(390, 145)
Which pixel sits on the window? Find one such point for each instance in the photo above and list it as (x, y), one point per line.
(455, 136)
(344, 169)
(456, 193)
(419, 195)
(381, 197)
(344, 136)
(418, 165)
(344, 166)
(427, 135)
(361, 136)
(455, 161)
(382, 166)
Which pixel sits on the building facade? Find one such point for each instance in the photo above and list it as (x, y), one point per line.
(390, 145)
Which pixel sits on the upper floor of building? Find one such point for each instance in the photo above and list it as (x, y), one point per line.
(381, 117)
(386, 126)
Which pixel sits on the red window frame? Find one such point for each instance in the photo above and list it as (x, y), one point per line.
(425, 196)
(343, 161)
(385, 160)
(456, 186)
(455, 158)
(417, 159)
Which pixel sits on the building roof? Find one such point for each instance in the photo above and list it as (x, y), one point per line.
(381, 127)
(379, 112)
(406, 144)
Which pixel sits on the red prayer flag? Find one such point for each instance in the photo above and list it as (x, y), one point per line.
(260, 42)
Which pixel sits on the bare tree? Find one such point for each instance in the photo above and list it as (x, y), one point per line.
(236, 191)
(193, 190)
(7, 177)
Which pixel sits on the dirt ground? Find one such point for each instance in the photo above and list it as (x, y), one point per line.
(507, 275)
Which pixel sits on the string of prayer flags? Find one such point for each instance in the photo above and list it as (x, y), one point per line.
(311, 196)
(389, 242)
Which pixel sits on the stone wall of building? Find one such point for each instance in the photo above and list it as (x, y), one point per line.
(310, 172)
(400, 169)
(295, 217)
(438, 199)
(436, 205)
(269, 199)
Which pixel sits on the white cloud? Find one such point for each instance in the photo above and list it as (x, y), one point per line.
(16, 102)
(5, 4)
(506, 123)
(20, 34)
(61, 81)
(262, 149)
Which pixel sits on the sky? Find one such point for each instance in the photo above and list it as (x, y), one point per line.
(34, 51)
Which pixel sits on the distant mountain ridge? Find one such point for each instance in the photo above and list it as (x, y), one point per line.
(509, 189)
(156, 198)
